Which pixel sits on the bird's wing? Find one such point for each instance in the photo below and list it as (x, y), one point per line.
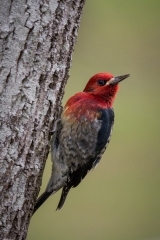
(75, 177)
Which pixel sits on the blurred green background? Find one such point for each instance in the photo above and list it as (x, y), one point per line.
(120, 199)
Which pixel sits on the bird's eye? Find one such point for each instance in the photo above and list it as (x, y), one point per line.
(101, 82)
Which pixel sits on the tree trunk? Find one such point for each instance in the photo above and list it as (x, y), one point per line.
(36, 44)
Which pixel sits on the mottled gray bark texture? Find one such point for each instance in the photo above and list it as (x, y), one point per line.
(36, 43)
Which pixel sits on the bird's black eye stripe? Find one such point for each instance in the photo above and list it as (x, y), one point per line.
(101, 82)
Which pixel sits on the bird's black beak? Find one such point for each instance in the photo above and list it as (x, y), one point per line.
(116, 80)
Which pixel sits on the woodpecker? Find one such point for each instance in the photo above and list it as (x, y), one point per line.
(82, 135)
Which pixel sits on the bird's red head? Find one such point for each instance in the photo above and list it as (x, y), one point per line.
(104, 86)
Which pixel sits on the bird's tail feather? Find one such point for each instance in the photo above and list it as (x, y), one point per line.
(41, 200)
(64, 194)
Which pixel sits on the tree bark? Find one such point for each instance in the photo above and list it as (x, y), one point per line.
(36, 45)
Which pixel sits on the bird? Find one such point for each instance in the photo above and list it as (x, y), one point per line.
(81, 135)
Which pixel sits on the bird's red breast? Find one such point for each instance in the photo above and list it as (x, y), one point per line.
(83, 106)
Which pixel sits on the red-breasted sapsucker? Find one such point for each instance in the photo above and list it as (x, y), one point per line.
(82, 136)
